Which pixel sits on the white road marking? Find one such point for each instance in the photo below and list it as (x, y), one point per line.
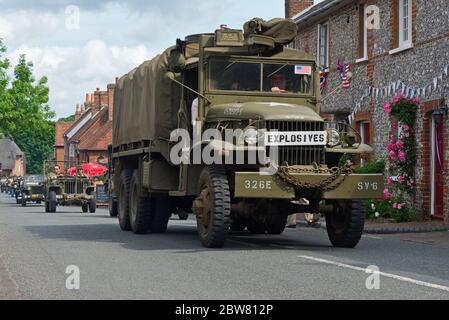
(387, 275)
(372, 237)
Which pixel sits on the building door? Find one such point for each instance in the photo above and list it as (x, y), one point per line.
(437, 169)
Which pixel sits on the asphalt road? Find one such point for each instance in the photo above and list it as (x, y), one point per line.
(36, 248)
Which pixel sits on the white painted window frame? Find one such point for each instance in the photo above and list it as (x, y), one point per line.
(365, 36)
(319, 42)
(432, 166)
(402, 41)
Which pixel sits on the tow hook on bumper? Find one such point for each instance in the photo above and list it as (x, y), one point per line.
(261, 186)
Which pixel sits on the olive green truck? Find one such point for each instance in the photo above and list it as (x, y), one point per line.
(236, 93)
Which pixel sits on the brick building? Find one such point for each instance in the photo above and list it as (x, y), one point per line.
(404, 46)
(87, 138)
(12, 159)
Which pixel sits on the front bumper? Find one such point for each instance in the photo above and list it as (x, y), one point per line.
(255, 185)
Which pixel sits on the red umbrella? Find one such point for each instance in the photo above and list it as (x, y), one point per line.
(72, 171)
(94, 170)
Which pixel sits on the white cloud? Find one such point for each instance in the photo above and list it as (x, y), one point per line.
(72, 72)
(114, 36)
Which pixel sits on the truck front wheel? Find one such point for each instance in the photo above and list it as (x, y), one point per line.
(213, 207)
(123, 205)
(345, 224)
(139, 208)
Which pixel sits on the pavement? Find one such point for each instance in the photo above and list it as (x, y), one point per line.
(37, 249)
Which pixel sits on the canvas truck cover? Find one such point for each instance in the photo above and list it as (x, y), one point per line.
(283, 31)
(145, 103)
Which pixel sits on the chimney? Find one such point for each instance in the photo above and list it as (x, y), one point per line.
(77, 112)
(293, 7)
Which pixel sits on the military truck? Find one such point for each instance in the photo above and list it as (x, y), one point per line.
(250, 82)
(32, 190)
(64, 189)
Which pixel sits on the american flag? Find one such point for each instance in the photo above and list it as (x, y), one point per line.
(303, 70)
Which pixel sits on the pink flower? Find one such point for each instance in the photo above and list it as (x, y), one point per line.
(405, 127)
(400, 206)
(395, 205)
(389, 181)
(416, 100)
(402, 156)
(387, 108)
(400, 145)
(393, 155)
(398, 97)
(394, 126)
(387, 194)
(391, 146)
(401, 179)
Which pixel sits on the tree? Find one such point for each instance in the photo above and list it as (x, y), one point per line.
(34, 128)
(6, 110)
(24, 111)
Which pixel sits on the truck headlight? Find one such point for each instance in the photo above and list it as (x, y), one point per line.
(251, 136)
(333, 138)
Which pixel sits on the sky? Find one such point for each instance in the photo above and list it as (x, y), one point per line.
(81, 45)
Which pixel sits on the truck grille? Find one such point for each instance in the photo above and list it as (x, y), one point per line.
(72, 187)
(298, 155)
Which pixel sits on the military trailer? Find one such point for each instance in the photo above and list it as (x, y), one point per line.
(32, 190)
(64, 189)
(249, 82)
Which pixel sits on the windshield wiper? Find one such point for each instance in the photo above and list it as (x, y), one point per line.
(271, 74)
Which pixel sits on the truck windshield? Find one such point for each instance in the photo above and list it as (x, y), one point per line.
(277, 78)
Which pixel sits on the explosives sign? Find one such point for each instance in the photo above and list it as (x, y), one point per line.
(302, 138)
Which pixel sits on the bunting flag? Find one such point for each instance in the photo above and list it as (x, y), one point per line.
(324, 72)
(393, 88)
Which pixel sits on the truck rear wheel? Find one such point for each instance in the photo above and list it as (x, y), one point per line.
(255, 227)
(213, 207)
(277, 226)
(123, 204)
(139, 208)
(345, 224)
(113, 208)
(238, 224)
(161, 208)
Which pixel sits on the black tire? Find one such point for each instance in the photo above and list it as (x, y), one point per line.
(278, 226)
(161, 212)
(345, 225)
(256, 227)
(238, 224)
(93, 205)
(47, 208)
(52, 202)
(123, 204)
(214, 187)
(24, 201)
(113, 208)
(139, 208)
(85, 207)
